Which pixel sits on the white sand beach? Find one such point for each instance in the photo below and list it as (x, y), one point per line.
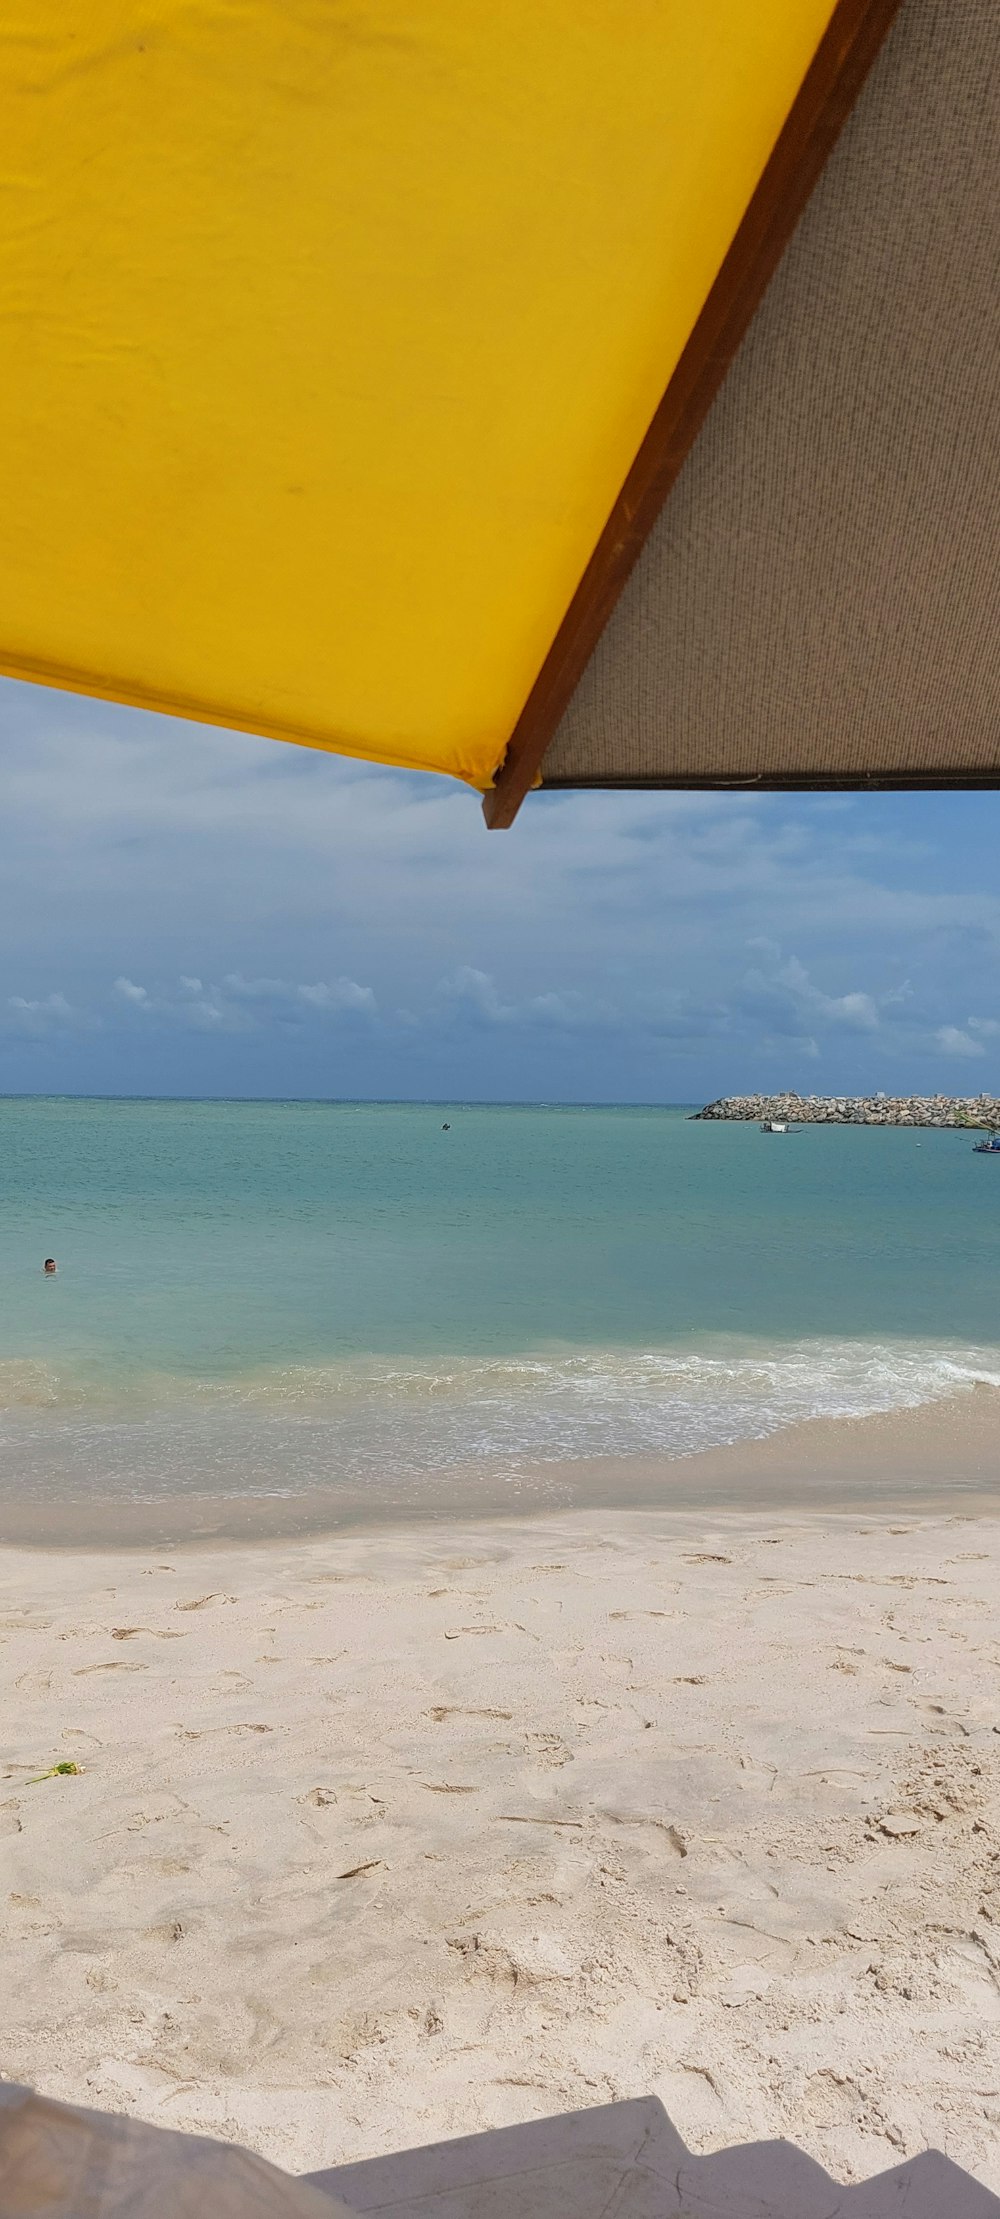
(400, 1834)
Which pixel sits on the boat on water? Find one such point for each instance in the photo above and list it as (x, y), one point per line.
(988, 1147)
(774, 1125)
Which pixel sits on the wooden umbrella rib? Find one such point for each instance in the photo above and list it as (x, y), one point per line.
(841, 63)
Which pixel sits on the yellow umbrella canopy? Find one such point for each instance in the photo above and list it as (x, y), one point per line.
(354, 346)
(332, 329)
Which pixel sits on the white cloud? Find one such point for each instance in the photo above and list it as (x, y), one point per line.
(54, 1005)
(476, 993)
(858, 1011)
(242, 1004)
(955, 1042)
(35, 1018)
(476, 990)
(987, 1026)
(785, 1000)
(196, 1011)
(341, 993)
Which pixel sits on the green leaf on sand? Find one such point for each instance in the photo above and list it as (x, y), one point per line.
(52, 1774)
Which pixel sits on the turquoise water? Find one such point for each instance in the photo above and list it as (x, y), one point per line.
(272, 1298)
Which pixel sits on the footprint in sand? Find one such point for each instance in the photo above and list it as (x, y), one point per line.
(201, 1602)
(455, 1710)
(548, 1750)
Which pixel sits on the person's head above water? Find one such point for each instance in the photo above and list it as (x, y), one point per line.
(49, 1265)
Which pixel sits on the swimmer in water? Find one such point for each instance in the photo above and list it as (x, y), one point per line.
(50, 1266)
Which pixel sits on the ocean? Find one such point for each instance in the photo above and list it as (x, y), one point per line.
(348, 1307)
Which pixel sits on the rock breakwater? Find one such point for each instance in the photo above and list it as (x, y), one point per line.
(976, 1112)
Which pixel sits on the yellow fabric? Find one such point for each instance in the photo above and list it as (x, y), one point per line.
(331, 327)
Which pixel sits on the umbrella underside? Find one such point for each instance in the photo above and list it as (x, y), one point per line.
(818, 600)
(336, 334)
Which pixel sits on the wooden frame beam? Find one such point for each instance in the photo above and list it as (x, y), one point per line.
(824, 101)
(788, 782)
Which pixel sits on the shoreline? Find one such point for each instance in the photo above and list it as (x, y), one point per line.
(385, 1836)
(926, 1459)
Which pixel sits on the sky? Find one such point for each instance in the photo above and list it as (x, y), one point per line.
(190, 911)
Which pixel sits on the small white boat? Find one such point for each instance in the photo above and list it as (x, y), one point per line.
(770, 1125)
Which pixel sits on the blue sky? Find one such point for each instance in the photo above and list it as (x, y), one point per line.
(190, 911)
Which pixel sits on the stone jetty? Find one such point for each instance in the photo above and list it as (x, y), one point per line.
(981, 1110)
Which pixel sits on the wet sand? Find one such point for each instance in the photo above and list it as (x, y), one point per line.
(931, 1458)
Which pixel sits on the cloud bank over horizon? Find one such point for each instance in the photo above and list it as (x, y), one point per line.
(192, 911)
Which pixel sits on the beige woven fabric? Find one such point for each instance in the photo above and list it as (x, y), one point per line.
(820, 595)
(58, 2162)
